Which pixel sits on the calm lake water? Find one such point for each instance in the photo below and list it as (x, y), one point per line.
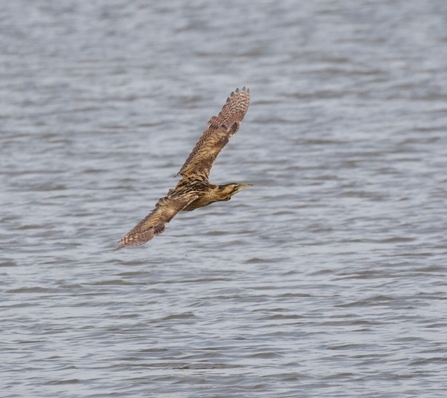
(327, 278)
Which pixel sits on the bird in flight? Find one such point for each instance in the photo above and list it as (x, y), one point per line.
(194, 189)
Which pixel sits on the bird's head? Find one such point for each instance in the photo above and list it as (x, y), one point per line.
(228, 190)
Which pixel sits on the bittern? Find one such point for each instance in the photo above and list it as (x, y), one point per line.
(194, 189)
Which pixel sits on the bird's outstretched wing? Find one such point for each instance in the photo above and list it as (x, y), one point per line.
(156, 221)
(220, 130)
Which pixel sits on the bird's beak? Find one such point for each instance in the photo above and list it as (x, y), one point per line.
(243, 186)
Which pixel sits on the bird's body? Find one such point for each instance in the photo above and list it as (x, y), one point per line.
(194, 189)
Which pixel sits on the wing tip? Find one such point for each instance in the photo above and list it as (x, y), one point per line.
(239, 91)
(129, 243)
(122, 243)
(133, 240)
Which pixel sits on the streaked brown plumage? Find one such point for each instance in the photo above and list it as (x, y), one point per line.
(194, 190)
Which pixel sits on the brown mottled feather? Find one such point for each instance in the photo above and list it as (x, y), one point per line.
(220, 130)
(156, 221)
(194, 190)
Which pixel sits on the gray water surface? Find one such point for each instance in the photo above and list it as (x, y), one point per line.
(327, 278)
